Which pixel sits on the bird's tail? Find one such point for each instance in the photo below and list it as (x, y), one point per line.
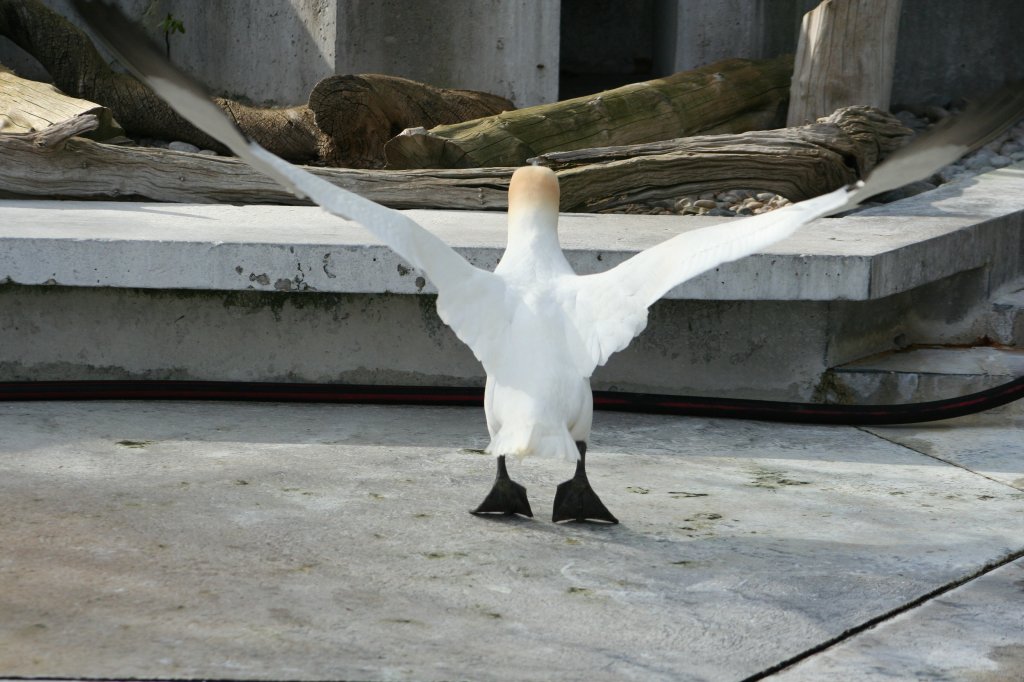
(534, 439)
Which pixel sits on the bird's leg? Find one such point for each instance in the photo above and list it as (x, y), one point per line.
(575, 500)
(506, 497)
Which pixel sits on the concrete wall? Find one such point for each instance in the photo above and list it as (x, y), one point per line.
(274, 51)
(950, 49)
(691, 34)
(508, 47)
(946, 49)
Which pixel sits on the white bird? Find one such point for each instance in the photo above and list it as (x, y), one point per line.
(538, 329)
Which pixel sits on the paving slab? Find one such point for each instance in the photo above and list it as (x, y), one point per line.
(973, 633)
(988, 443)
(263, 541)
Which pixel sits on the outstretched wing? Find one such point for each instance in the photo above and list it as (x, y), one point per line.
(609, 309)
(453, 276)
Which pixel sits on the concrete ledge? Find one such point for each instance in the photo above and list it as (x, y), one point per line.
(876, 253)
(164, 291)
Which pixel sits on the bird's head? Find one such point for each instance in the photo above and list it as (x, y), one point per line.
(533, 199)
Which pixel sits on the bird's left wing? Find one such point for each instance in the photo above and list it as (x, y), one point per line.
(607, 310)
(447, 270)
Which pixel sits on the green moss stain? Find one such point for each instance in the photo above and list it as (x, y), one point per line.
(773, 480)
(137, 444)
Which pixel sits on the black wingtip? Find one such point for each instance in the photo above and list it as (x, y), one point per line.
(119, 34)
(948, 141)
(983, 120)
(127, 41)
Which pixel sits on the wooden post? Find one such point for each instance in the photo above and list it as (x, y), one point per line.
(845, 57)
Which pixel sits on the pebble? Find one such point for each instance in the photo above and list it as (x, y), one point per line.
(1011, 147)
(980, 158)
(178, 146)
(207, 152)
(706, 203)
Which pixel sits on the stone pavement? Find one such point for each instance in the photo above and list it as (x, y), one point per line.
(310, 542)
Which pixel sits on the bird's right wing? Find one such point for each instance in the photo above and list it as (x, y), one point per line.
(608, 309)
(457, 281)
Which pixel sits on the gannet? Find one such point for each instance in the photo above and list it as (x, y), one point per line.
(539, 329)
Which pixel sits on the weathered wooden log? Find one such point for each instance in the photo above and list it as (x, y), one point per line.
(359, 114)
(53, 164)
(27, 105)
(846, 56)
(733, 95)
(340, 118)
(797, 163)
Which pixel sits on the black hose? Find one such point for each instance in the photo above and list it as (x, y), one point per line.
(764, 410)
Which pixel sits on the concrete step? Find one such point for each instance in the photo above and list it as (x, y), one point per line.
(923, 374)
(115, 290)
(1006, 319)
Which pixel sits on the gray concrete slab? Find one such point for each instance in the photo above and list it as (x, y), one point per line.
(988, 443)
(975, 632)
(315, 542)
(893, 249)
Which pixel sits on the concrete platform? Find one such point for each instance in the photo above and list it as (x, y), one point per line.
(870, 255)
(124, 290)
(263, 541)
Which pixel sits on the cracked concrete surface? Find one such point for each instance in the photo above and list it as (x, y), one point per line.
(258, 541)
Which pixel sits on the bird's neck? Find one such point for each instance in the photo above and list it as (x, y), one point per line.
(533, 243)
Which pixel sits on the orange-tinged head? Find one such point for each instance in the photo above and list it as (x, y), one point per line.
(533, 188)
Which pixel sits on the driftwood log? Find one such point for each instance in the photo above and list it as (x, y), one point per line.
(370, 107)
(359, 114)
(27, 105)
(79, 70)
(797, 163)
(846, 56)
(53, 164)
(730, 96)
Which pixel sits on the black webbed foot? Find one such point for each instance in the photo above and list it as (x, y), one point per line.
(575, 500)
(506, 497)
